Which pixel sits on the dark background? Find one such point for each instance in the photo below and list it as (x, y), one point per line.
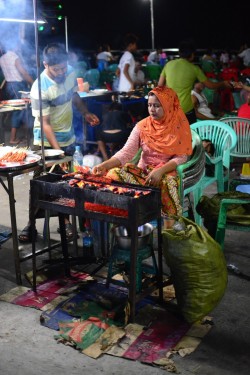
(213, 23)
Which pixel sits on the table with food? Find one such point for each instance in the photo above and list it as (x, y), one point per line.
(15, 161)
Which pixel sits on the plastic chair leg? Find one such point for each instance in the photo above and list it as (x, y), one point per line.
(196, 196)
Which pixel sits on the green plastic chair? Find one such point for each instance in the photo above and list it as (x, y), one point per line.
(112, 68)
(223, 223)
(81, 67)
(238, 100)
(224, 139)
(241, 126)
(191, 174)
(208, 66)
(152, 72)
(211, 94)
(92, 76)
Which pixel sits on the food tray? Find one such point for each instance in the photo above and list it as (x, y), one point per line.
(30, 160)
(13, 102)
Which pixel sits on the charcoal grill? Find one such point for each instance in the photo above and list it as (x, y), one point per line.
(139, 205)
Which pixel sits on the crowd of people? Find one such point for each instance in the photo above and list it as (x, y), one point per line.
(163, 137)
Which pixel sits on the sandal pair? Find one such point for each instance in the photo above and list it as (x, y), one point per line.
(26, 234)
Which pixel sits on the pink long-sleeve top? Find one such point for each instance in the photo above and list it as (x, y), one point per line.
(148, 156)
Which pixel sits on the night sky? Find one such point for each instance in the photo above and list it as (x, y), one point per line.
(213, 23)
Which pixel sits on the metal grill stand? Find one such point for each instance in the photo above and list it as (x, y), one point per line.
(147, 207)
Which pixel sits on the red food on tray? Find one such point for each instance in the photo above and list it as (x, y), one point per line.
(12, 158)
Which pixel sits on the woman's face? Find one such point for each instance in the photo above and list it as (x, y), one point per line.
(155, 109)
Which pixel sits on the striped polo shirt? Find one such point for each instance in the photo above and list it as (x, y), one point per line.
(57, 104)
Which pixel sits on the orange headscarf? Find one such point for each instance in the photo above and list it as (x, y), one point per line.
(171, 135)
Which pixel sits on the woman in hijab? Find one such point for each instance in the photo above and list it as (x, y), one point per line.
(165, 140)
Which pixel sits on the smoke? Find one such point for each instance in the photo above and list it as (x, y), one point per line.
(15, 34)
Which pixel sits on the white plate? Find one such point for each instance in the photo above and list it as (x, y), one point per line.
(100, 91)
(51, 153)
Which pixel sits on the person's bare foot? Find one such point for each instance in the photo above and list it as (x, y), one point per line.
(15, 142)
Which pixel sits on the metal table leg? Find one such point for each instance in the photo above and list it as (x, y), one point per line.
(14, 228)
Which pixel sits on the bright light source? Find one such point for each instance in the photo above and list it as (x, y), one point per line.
(22, 20)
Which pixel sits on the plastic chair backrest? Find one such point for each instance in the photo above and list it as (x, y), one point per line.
(81, 68)
(210, 93)
(112, 67)
(241, 126)
(208, 66)
(238, 100)
(152, 72)
(191, 174)
(224, 140)
(229, 74)
(245, 72)
(92, 76)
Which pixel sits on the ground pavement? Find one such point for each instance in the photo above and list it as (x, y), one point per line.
(26, 347)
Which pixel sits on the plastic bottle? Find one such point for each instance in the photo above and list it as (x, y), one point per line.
(77, 158)
(80, 83)
(87, 239)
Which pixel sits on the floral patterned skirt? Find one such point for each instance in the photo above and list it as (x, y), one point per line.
(169, 185)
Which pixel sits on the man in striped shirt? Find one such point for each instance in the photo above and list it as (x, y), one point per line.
(58, 94)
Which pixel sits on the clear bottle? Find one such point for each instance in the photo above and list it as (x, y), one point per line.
(87, 239)
(77, 158)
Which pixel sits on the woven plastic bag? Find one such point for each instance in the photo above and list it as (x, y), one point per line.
(198, 269)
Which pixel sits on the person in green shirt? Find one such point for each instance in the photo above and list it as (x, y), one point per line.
(181, 74)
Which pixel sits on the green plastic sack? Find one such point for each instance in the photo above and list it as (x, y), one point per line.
(198, 269)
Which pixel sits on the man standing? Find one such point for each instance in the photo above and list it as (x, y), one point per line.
(58, 94)
(181, 74)
(58, 91)
(127, 65)
(17, 79)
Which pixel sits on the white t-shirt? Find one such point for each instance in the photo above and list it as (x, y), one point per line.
(153, 57)
(245, 55)
(105, 55)
(7, 63)
(127, 58)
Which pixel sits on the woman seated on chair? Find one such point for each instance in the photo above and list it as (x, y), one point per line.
(165, 139)
(114, 129)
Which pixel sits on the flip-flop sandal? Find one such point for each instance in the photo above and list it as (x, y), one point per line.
(69, 231)
(25, 235)
(15, 142)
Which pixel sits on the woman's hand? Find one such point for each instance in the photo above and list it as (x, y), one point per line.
(105, 166)
(99, 170)
(92, 119)
(154, 177)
